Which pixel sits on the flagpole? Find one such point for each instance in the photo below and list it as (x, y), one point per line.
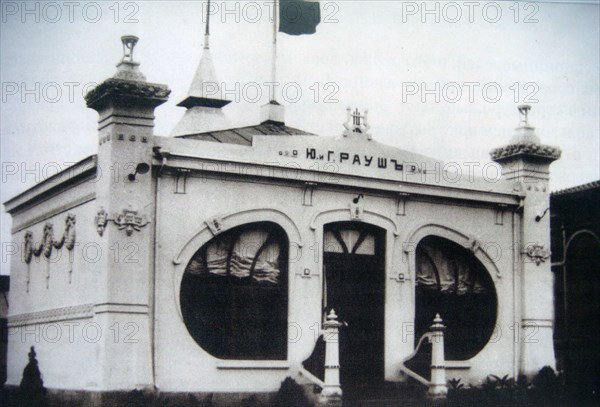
(274, 55)
(207, 30)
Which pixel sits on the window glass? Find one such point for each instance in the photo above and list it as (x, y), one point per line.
(452, 282)
(234, 293)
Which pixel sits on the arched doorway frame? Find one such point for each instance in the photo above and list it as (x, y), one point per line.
(392, 255)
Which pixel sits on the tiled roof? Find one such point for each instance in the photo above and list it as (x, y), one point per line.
(244, 135)
(578, 188)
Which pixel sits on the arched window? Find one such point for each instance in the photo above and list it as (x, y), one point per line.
(452, 282)
(234, 293)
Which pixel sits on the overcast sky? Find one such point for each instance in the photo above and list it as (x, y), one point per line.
(439, 78)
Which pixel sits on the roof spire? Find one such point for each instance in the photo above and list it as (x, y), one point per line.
(203, 101)
(207, 29)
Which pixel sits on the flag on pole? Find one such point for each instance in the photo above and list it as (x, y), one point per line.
(297, 17)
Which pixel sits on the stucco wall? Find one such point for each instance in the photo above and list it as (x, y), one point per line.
(56, 314)
(181, 364)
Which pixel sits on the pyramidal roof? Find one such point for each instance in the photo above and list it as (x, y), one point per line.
(203, 101)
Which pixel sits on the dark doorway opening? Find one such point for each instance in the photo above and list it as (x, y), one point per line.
(580, 313)
(354, 268)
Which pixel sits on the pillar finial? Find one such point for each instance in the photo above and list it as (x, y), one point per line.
(524, 112)
(127, 68)
(129, 42)
(438, 324)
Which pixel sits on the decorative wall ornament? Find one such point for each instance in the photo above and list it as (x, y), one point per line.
(129, 220)
(47, 244)
(309, 189)
(537, 253)
(357, 125)
(473, 244)
(101, 220)
(332, 215)
(28, 247)
(68, 240)
(400, 277)
(229, 220)
(499, 217)
(27, 255)
(401, 203)
(444, 231)
(215, 225)
(356, 210)
(47, 241)
(538, 187)
(181, 180)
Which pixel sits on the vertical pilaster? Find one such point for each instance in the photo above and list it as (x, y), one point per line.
(525, 163)
(125, 201)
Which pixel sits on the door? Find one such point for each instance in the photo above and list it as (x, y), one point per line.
(354, 264)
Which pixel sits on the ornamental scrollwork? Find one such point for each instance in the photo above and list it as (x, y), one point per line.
(101, 221)
(129, 220)
(68, 237)
(28, 246)
(47, 244)
(357, 125)
(472, 244)
(537, 253)
(215, 225)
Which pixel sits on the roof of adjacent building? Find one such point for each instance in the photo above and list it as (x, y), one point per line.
(578, 188)
(244, 135)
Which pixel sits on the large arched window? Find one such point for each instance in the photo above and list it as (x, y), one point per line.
(234, 293)
(452, 282)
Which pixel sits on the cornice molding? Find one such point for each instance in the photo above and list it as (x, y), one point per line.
(82, 311)
(531, 149)
(127, 89)
(52, 315)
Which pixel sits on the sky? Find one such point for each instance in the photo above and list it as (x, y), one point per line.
(439, 78)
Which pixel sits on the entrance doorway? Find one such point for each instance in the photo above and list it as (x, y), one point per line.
(354, 269)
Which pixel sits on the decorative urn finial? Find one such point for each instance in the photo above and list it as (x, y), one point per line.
(129, 42)
(525, 142)
(524, 111)
(127, 68)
